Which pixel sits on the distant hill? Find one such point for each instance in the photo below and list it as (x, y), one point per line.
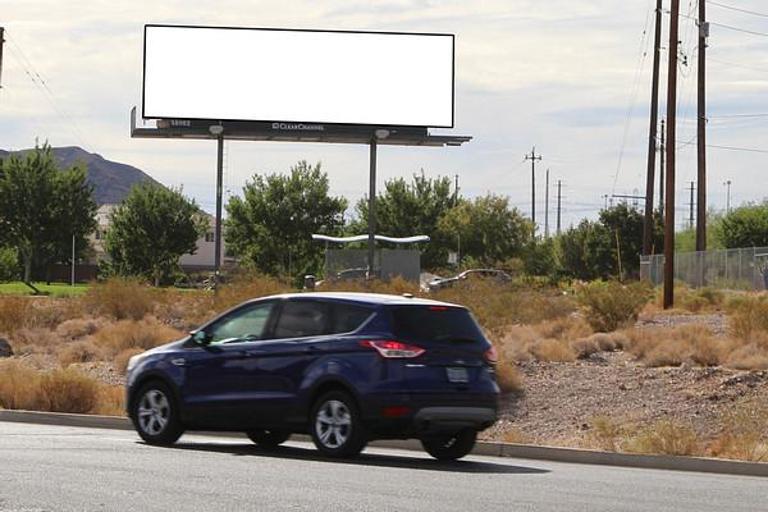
(111, 180)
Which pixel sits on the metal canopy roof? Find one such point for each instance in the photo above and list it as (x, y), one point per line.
(293, 132)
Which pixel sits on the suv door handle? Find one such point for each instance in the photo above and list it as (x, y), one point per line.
(311, 349)
(179, 361)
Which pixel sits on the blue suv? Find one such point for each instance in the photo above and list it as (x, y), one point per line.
(345, 368)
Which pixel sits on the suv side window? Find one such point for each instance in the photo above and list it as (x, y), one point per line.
(299, 318)
(348, 317)
(246, 324)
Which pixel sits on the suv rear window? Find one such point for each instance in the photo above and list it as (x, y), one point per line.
(348, 317)
(434, 323)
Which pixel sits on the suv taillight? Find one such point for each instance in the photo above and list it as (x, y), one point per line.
(491, 355)
(393, 349)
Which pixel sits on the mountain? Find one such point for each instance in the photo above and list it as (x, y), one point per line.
(111, 180)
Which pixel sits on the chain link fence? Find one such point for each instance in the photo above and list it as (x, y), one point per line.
(387, 263)
(736, 269)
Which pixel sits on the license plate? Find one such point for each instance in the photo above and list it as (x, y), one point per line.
(457, 374)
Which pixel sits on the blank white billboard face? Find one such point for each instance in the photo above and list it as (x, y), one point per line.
(298, 76)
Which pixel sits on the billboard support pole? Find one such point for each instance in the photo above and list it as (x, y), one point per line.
(372, 209)
(218, 131)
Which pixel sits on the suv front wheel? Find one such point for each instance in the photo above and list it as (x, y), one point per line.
(336, 426)
(155, 415)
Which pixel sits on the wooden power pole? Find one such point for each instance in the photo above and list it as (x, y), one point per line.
(533, 157)
(662, 168)
(669, 217)
(701, 137)
(546, 208)
(559, 203)
(648, 220)
(2, 40)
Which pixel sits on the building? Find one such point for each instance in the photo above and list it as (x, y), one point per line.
(201, 260)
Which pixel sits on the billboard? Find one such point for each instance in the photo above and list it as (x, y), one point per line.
(303, 76)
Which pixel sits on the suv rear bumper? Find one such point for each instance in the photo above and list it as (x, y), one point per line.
(458, 416)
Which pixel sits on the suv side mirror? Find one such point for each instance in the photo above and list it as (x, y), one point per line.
(201, 338)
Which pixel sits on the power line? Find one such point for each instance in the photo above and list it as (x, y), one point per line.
(737, 65)
(738, 9)
(737, 29)
(733, 116)
(734, 148)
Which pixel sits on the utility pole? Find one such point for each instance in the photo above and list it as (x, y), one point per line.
(456, 189)
(605, 198)
(546, 209)
(690, 215)
(701, 137)
(372, 210)
(2, 40)
(559, 203)
(533, 157)
(728, 196)
(662, 169)
(669, 220)
(650, 178)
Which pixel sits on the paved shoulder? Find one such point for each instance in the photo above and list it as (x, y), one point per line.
(63, 468)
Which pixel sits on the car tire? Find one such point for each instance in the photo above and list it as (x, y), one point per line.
(450, 447)
(268, 438)
(336, 426)
(155, 414)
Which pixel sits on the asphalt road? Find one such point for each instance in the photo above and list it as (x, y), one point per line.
(64, 468)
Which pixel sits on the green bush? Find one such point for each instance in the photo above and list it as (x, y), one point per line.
(9, 264)
(610, 305)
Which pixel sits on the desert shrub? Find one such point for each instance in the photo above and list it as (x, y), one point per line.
(744, 434)
(748, 315)
(514, 436)
(121, 359)
(553, 350)
(606, 434)
(120, 298)
(248, 287)
(395, 286)
(610, 341)
(77, 328)
(14, 313)
(750, 356)
(68, 391)
(702, 299)
(110, 401)
(139, 334)
(19, 386)
(508, 377)
(585, 347)
(38, 340)
(611, 305)
(81, 351)
(564, 328)
(665, 437)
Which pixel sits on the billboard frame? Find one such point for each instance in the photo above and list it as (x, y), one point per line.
(307, 121)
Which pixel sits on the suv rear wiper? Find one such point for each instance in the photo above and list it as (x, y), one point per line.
(455, 339)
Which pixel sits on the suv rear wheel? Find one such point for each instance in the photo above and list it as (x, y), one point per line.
(268, 438)
(451, 446)
(336, 426)
(155, 415)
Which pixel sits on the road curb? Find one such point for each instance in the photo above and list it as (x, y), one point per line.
(519, 451)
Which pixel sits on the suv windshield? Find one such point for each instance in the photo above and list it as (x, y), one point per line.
(435, 323)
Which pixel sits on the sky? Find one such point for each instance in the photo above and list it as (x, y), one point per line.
(571, 77)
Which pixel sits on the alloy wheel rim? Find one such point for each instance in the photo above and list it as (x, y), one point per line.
(154, 412)
(333, 424)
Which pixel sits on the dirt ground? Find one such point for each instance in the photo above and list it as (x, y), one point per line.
(560, 400)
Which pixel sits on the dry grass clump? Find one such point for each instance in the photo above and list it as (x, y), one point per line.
(611, 305)
(120, 298)
(121, 359)
(552, 340)
(694, 344)
(395, 286)
(606, 434)
(38, 340)
(110, 401)
(248, 287)
(702, 299)
(14, 313)
(750, 356)
(19, 386)
(744, 434)
(514, 436)
(665, 437)
(77, 328)
(748, 315)
(62, 390)
(81, 351)
(508, 377)
(135, 334)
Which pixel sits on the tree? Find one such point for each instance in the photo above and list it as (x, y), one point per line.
(271, 226)
(408, 209)
(487, 229)
(151, 229)
(42, 208)
(746, 226)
